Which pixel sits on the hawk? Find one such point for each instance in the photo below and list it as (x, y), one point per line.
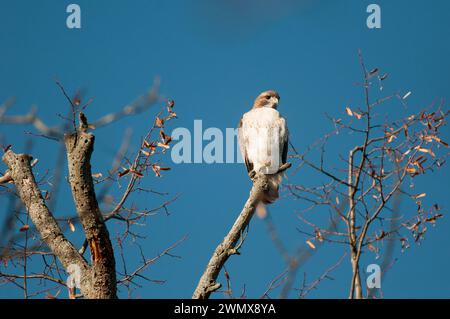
(263, 141)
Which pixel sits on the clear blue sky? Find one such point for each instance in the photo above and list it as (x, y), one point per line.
(213, 58)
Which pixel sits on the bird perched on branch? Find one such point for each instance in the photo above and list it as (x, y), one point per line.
(263, 140)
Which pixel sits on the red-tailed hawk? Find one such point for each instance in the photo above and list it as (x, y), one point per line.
(263, 140)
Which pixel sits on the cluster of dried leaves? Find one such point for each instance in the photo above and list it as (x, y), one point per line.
(362, 192)
(152, 146)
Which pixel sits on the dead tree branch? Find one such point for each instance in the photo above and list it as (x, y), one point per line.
(207, 283)
(98, 275)
(23, 178)
(80, 146)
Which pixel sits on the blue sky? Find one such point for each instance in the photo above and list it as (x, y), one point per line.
(213, 58)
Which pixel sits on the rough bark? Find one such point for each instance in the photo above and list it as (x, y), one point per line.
(22, 176)
(207, 283)
(80, 146)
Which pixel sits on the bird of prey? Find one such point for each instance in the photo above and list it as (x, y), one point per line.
(263, 141)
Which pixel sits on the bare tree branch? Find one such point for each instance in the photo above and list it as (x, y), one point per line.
(207, 283)
(22, 175)
(80, 146)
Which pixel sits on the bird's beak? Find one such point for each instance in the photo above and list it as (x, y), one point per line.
(275, 102)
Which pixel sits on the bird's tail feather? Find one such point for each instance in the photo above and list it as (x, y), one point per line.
(271, 194)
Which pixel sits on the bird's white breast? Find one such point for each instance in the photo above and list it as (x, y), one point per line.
(264, 130)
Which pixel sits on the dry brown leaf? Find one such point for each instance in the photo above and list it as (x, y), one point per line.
(159, 122)
(437, 139)
(319, 235)
(168, 140)
(172, 115)
(434, 218)
(156, 169)
(391, 137)
(139, 174)
(124, 172)
(310, 244)
(147, 144)
(163, 145)
(349, 111)
(425, 150)
(374, 71)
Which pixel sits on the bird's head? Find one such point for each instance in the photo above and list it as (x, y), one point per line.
(267, 99)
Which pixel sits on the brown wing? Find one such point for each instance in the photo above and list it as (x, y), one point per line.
(243, 143)
(285, 150)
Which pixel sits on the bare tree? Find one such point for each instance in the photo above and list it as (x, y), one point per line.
(378, 171)
(42, 234)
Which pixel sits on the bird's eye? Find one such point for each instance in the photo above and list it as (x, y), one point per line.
(268, 97)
